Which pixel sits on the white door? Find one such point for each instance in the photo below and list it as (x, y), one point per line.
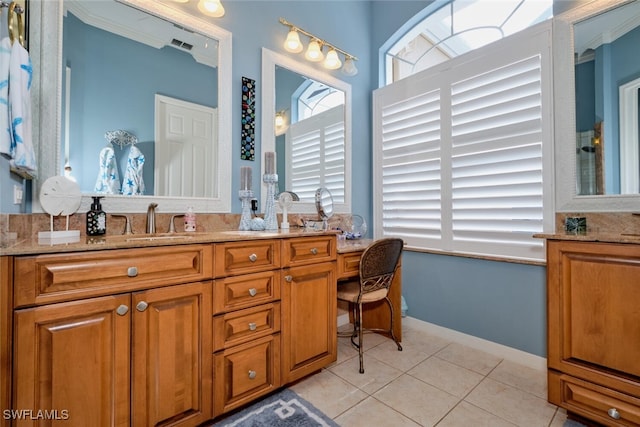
(185, 148)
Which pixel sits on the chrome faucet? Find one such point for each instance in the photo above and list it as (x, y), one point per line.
(151, 218)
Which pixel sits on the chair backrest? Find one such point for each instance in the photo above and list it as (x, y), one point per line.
(378, 264)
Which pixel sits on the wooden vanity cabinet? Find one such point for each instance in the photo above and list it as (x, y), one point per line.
(594, 330)
(309, 306)
(140, 357)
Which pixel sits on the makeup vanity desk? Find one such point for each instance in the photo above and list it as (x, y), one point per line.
(375, 315)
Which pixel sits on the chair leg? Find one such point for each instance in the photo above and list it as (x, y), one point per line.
(354, 333)
(360, 346)
(391, 330)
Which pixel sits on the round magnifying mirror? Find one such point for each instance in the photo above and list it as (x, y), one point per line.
(324, 205)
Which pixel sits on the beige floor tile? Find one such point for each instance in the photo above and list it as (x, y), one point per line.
(525, 378)
(465, 414)
(428, 344)
(446, 376)
(376, 374)
(372, 412)
(469, 358)
(329, 393)
(404, 360)
(417, 400)
(512, 404)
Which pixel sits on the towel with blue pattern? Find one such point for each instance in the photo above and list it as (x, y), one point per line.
(5, 127)
(108, 181)
(20, 78)
(132, 183)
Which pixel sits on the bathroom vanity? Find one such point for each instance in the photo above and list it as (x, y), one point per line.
(593, 291)
(172, 332)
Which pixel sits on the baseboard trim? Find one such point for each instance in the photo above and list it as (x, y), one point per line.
(499, 350)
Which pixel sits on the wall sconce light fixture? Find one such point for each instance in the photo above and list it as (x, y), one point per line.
(281, 122)
(211, 8)
(314, 51)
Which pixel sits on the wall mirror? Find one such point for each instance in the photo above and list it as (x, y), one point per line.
(107, 58)
(596, 107)
(313, 140)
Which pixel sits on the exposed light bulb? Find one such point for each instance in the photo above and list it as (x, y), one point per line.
(349, 67)
(332, 62)
(293, 43)
(314, 52)
(211, 8)
(279, 120)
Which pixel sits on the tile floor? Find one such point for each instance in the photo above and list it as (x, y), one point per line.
(432, 382)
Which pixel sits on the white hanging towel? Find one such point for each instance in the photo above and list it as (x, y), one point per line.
(5, 127)
(133, 184)
(108, 181)
(20, 77)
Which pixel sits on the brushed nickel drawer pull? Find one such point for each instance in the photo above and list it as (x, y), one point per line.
(132, 271)
(122, 310)
(253, 292)
(252, 326)
(253, 257)
(613, 413)
(142, 306)
(252, 374)
(288, 278)
(314, 251)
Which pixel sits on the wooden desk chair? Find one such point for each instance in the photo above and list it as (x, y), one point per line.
(378, 265)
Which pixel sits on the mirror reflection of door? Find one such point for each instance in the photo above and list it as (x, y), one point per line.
(184, 144)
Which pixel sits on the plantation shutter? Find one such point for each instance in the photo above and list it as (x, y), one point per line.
(461, 151)
(315, 150)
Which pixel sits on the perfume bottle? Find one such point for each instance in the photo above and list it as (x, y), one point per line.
(96, 219)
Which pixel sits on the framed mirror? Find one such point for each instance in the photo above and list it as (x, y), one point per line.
(313, 140)
(158, 98)
(596, 152)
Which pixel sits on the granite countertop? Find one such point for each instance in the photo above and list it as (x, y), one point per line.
(89, 243)
(629, 238)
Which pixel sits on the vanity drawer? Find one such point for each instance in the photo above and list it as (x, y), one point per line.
(349, 265)
(309, 250)
(246, 257)
(245, 325)
(44, 279)
(245, 372)
(248, 290)
(600, 404)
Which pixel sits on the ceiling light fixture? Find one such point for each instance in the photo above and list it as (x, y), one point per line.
(211, 8)
(314, 51)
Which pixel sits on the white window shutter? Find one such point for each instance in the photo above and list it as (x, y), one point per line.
(460, 152)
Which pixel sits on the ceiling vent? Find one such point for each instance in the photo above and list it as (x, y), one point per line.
(181, 44)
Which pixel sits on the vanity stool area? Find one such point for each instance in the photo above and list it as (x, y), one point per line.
(172, 332)
(593, 299)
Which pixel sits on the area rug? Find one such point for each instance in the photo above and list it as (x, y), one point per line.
(282, 409)
(572, 423)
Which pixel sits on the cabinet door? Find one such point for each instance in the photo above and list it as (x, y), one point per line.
(594, 320)
(309, 322)
(73, 359)
(172, 379)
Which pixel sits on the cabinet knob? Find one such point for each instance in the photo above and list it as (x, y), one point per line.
(132, 271)
(253, 257)
(252, 326)
(122, 310)
(613, 413)
(253, 292)
(288, 278)
(142, 306)
(252, 374)
(314, 251)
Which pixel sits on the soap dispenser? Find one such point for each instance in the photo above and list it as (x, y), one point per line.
(96, 219)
